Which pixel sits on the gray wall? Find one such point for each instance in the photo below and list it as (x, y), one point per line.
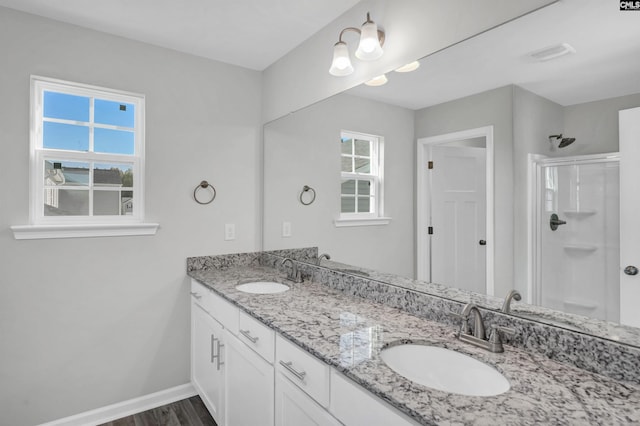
(595, 124)
(534, 119)
(491, 108)
(93, 321)
(306, 145)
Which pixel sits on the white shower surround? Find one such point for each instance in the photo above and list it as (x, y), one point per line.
(578, 263)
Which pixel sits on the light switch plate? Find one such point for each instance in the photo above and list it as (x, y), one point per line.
(229, 231)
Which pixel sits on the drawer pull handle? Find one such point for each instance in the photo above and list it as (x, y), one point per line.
(289, 366)
(216, 357)
(196, 295)
(247, 334)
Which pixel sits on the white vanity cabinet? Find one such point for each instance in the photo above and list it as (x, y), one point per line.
(207, 345)
(355, 406)
(302, 387)
(234, 379)
(246, 375)
(249, 386)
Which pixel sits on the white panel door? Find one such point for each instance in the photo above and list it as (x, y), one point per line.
(629, 214)
(458, 217)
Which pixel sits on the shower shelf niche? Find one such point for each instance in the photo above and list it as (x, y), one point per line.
(579, 213)
(580, 248)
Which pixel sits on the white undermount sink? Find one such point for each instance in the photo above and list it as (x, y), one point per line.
(445, 370)
(263, 287)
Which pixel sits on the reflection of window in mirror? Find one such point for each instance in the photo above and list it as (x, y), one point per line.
(361, 177)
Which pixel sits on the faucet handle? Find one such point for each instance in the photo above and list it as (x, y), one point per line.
(464, 325)
(509, 331)
(494, 337)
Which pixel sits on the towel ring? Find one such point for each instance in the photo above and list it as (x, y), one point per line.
(204, 185)
(305, 189)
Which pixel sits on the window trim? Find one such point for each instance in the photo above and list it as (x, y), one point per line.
(41, 226)
(371, 218)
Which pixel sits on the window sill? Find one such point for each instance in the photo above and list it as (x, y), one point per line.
(376, 221)
(37, 232)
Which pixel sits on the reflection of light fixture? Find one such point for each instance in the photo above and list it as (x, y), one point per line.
(369, 48)
(377, 81)
(412, 66)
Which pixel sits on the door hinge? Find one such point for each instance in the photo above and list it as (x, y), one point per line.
(430, 230)
(430, 165)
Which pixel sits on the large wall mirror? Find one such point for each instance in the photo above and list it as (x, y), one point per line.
(500, 167)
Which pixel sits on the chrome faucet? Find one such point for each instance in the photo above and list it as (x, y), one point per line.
(506, 306)
(323, 256)
(478, 337)
(293, 274)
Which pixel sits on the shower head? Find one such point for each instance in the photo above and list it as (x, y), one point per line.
(563, 141)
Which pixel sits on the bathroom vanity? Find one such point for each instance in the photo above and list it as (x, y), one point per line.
(311, 355)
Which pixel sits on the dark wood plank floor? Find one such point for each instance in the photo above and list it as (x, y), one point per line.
(188, 412)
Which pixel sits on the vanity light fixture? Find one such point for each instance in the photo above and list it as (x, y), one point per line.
(412, 66)
(377, 81)
(369, 49)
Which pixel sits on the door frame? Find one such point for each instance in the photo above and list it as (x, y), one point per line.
(423, 206)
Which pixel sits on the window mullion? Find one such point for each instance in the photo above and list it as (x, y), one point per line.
(91, 168)
(91, 122)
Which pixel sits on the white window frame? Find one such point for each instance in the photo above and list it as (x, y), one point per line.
(376, 176)
(41, 226)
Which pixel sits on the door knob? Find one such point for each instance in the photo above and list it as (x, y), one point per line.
(482, 242)
(631, 270)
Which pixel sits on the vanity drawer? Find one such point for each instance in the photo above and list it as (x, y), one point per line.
(304, 370)
(257, 336)
(225, 312)
(200, 294)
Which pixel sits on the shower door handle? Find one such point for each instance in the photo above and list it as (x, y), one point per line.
(631, 270)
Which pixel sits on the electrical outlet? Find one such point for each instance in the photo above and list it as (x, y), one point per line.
(286, 229)
(229, 231)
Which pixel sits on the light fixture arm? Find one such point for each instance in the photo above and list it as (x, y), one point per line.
(357, 30)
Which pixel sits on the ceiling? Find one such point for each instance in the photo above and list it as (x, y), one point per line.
(249, 33)
(606, 63)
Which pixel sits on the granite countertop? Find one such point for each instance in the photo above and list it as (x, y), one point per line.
(348, 333)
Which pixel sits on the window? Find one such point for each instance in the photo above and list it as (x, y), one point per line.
(87, 159)
(361, 192)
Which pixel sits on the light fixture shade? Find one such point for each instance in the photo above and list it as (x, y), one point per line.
(377, 81)
(412, 66)
(369, 48)
(341, 64)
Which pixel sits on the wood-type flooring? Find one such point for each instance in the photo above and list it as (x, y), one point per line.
(188, 412)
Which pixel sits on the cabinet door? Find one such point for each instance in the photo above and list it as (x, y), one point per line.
(207, 371)
(296, 408)
(248, 384)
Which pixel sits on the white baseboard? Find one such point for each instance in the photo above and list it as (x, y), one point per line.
(126, 408)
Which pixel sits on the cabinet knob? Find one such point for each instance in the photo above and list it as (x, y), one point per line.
(631, 270)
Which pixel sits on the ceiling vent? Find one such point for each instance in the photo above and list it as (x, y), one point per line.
(552, 52)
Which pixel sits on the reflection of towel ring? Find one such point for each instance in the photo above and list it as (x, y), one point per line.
(204, 184)
(307, 188)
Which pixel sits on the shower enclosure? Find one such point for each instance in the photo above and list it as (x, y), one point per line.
(576, 246)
